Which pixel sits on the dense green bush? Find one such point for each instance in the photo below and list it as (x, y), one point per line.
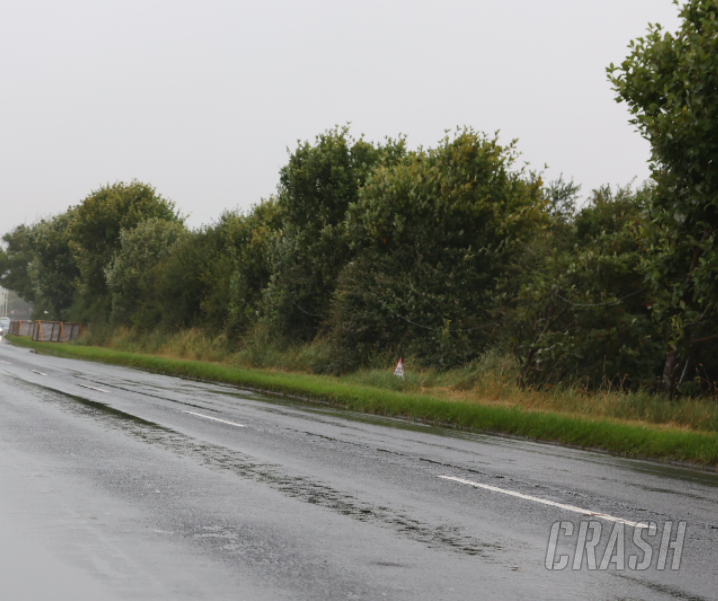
(583, 312)
(53, 270)
(371, 251)
(95, 230)
(433, 234)
(132, 274)
(251, 240)
(15, 261)
(670, 83)
(192, 283)
(316, 188)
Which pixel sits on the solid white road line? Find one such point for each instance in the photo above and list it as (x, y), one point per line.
(6, 362)
(587, 512)
(216, 419)
(38, 372)
(93, 388)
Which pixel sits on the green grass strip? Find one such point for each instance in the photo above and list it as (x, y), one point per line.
(629, 440)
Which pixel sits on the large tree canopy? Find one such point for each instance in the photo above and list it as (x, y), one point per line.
(433, 234)
(132, 273)
(580, 314)
(316, 187)
(95, 232)
(670, 83)
(15, 261)
(53, 271)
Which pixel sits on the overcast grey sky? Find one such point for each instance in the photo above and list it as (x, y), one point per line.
(202, 99)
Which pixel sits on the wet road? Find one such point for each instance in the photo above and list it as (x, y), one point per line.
(119, 484)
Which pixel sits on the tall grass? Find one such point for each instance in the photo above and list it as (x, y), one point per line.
(489, 381)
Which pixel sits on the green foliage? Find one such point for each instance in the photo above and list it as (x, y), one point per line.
(53, 270)
(251, 239)
(193, 283)
(316, 187)
(15, 261)
(433, 234)
(95, 230)
(561, 197)
(670, 83)
(444, 255)
(583, 312)
(132, 274)
(39, 266)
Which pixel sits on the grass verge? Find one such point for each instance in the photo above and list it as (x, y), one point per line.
(630, 440)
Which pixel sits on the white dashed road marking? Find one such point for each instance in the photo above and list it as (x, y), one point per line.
(216, 419)
(93, 388)
(586, 512)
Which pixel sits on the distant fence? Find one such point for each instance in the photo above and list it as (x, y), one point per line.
(47, 331)
(21, 328)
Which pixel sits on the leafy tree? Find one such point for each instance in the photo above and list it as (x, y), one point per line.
(192, 284)
(15, 261)
(214, 277)
(581, 313)
(670, 83)
(433, 234)
(251, 239)
(132, 273)
(561, 199)
(53, 271)
(316, 187)
(95, 229)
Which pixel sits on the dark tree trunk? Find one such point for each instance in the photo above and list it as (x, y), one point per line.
(669, 373)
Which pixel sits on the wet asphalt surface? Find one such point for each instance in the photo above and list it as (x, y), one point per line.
(120, 484)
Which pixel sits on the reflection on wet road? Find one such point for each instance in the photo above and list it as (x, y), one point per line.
(152, 487)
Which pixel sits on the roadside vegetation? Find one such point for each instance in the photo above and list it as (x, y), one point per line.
(490, 380)
(499, 288)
